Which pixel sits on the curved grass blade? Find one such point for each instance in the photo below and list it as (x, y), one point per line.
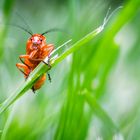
(42, 68)
(100, 112)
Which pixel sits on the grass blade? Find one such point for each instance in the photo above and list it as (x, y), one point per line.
(95, 106)
(42, 68)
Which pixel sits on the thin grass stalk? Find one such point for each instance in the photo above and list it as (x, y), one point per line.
(42, 68)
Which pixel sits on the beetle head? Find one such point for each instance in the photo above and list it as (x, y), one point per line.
(37, 39)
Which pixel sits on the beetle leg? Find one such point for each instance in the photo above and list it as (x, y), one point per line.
(47, 63)
(49, 48)
(26, 56)
(33, 89)
(22, 68)
(47, 51)
(36, 59)
(30, 57)
(21, 57)
(49, 77)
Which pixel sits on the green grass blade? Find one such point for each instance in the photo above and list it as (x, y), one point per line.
(42, 68)
(7, 124)
(78, 44)
(100, 112)
(6, 11)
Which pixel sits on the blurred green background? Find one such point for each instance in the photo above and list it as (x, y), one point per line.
(107, 68)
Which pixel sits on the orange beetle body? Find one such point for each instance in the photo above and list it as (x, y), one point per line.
(36, 51)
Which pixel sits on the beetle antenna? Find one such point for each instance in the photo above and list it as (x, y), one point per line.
(53, 30)
(20, 27)
(24, 21)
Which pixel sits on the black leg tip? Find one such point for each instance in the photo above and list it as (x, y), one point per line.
(33, 90)
(48, 64)
(49, 77)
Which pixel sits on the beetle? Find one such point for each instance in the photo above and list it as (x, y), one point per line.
(36, 51)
